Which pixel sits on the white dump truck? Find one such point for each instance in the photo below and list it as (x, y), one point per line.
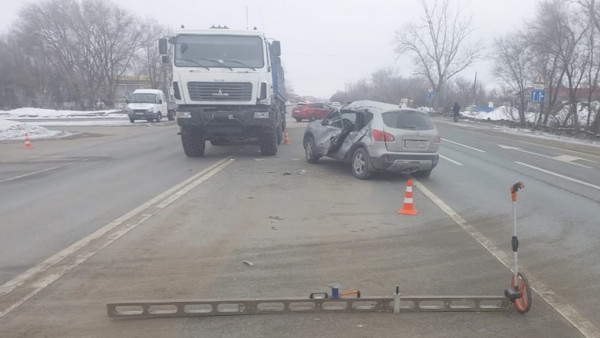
(228, 86)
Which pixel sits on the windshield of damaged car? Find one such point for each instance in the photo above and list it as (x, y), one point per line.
(407, 119)
(219, 51)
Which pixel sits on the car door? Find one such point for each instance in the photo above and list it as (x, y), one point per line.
(328, 129)
(355, 126)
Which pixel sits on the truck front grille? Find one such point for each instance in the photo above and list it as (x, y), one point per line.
(220, 91)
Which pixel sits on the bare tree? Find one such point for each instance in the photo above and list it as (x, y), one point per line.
(592, 9)
(512, 62)
(438, 44)
(559, 38)
(149, 57)
(87, 45)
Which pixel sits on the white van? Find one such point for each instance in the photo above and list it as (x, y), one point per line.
(149, 105)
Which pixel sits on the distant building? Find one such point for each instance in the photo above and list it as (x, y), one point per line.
(127, 84)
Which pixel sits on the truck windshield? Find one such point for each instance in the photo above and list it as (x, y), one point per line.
(144, 98)
(219, 51)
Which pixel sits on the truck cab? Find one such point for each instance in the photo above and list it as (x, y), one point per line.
(228, 86)
(149, 105)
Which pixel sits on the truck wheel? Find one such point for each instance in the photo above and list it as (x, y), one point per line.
(158, 117)
(131, 119)
(193, 142)
(267, 141)
(170, 116)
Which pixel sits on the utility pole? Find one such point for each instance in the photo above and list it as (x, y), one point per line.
(246, 17)
(474, 88)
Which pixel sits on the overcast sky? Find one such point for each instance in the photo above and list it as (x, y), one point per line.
(325, 43)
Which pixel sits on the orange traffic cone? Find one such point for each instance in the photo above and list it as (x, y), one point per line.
(407, 207)
(286, 140)
(27, 142)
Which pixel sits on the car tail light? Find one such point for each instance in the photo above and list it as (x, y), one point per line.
(438, 138)
(382, 136)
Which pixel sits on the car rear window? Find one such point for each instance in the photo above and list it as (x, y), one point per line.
(407, 119)
(316, 105)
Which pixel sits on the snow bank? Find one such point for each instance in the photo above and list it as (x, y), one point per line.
(12, 130)
(36, 113)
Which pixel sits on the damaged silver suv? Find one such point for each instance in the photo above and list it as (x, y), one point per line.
(375, 136)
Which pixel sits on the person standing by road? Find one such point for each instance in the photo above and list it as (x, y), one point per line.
(455, 110)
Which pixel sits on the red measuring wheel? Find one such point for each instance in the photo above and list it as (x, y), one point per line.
(523, 303)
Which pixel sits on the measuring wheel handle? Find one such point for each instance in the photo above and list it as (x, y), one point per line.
(519, 292)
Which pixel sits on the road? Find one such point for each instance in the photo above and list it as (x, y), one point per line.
(119, 213)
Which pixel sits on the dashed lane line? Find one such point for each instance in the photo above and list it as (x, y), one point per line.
(463, 145)
(451, 160)
(30, 174)
(559, 175)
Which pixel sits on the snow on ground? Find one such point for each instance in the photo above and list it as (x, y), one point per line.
(508, 114)
(13, 130)
(37, 113)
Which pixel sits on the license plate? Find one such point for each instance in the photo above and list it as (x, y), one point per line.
(416, 144)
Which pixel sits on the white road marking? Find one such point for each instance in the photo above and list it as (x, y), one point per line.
(192, 185)
(464, 145)
(562, 149)
(559, 175)
(44, 281)
(29, 174)
(450, 160)
(561, 158)
(570, 159)
(566, 310)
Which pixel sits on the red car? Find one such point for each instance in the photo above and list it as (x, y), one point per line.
(310, 111)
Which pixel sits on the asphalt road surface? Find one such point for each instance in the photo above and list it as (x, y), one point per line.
(120, 213)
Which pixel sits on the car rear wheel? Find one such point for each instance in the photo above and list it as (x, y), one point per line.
(310, 150)
(298, 119)
(423, 174)
(360, 164)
